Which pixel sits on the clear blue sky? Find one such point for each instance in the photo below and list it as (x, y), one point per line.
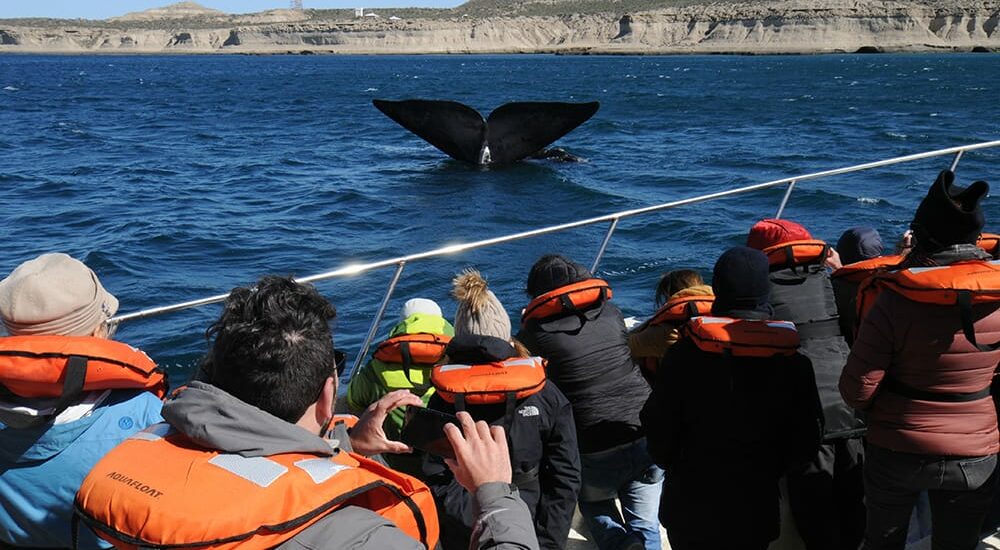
(101, 9)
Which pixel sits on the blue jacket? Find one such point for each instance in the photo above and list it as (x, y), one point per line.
(41, 468)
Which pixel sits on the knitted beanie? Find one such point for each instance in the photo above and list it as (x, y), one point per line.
(740, 280)
(553, 271)
(479, 311)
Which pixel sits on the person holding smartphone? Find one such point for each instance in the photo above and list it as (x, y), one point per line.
(247, 447)
(540, 427)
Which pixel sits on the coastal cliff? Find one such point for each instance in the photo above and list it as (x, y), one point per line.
(554, 26)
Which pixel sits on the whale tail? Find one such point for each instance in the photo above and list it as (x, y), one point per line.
(512, 132)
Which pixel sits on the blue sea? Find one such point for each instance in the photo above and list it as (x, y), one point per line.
(177, 178)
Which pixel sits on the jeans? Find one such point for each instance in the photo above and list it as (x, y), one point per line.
(960, 491)
(627, 473)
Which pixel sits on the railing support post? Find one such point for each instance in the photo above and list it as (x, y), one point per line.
(954, 163)
(784, 200)
(604, 245)
(373, 331)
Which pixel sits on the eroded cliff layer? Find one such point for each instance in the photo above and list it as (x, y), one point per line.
(758, 27)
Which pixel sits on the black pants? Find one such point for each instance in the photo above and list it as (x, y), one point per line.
(827, 497)
(960, 490)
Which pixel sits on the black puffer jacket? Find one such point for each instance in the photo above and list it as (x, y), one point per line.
(725, 430)
(589, 360)
(804, 296)
(545, 461)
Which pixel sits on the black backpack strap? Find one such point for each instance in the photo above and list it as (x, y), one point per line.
(459, 402)
(965, 312)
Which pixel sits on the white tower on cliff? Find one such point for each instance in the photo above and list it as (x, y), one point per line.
(296, 4)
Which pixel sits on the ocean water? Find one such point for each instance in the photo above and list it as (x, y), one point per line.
(177, 178)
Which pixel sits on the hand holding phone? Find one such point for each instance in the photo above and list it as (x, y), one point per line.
(423, 429)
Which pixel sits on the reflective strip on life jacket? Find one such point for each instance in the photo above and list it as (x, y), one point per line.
(37, 366)
(990, 242)
(161, 490)
(961, 284)
(489, 383)
(568, 299)
(859, 271)
(796, 253)
(678, 310)
(742, 337)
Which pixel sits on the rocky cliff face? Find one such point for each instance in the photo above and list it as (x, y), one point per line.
(769, 27)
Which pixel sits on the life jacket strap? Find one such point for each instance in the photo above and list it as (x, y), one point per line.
(692, 309)
(404, 351)
(964, 299)
(76, 375)
(892, 384)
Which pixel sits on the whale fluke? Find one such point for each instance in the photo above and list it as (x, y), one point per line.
(512, 132)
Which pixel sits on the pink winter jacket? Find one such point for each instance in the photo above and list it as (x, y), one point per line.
(922, 346)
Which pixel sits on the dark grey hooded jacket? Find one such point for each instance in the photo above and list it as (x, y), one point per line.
(215, 419)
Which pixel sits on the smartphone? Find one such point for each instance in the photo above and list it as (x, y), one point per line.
(423, 429)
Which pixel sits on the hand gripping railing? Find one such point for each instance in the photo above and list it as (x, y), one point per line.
(400, 262)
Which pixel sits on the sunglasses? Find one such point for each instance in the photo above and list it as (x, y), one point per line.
(340, 361)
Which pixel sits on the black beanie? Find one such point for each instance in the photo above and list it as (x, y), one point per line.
(740, 280)
(553, 271)
(949, 214)
(471, 349)
(859, 243)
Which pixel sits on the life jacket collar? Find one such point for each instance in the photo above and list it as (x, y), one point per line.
(569, 299)
(793, 254)
(742, 337)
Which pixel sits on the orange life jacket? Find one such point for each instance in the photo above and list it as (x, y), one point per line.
(682, 309)
(742, 337)
(159, 489)
(567, 299)
(859, 271)
(407, 349)
(961, 284)
(677, 310)
(489, 383)
(348, 420)
(56, 366)
(990, 242)
(796, 253)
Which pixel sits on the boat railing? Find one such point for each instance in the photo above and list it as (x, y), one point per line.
(401, 261)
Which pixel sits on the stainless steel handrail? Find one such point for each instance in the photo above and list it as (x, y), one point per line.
(614, 218)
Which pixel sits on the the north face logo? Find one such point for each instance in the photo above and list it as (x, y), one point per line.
(530, 410)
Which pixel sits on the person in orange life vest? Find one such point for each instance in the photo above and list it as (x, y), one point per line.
(680, 294)
(731, 411)
(402, 361)
(54, 306)
(572, 323)
(539, 425)
(855, 245)
(255, 430)
(921, 368)
(826, 496)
